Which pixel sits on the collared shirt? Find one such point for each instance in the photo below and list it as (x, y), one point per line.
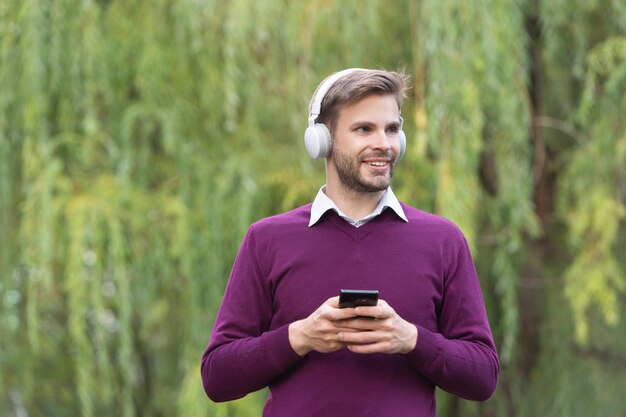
(323, 203)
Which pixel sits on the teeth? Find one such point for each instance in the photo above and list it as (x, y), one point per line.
(378, 164)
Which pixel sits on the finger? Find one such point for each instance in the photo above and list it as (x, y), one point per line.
(359, 324)
(373, 312)
(341, 329)
(362, 337)
(333, 302)
(380, 347)
(380, 311)
(337, 314)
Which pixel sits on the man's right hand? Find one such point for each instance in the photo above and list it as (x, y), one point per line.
(318, 331)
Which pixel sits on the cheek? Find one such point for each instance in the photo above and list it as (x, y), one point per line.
(395, 144)
(350, 150)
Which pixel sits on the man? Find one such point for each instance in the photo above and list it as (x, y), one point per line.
(279, 324)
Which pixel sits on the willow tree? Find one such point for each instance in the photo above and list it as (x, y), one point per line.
(138, 139)
(511, 98)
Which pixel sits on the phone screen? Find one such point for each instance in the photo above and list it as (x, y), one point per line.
(355, 298)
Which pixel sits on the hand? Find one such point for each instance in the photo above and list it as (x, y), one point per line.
(318, 332)
(385, 332)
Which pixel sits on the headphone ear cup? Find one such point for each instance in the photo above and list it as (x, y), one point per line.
(402, 139)
(317, 141)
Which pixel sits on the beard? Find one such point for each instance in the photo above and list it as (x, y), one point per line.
(349, 172)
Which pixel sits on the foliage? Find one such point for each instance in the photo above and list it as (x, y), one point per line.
(139, 139)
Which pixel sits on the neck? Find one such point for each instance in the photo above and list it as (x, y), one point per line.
(353, 203)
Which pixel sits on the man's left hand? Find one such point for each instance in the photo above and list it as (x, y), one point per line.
(384, 332)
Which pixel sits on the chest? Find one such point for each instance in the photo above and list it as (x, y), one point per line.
(408, 273)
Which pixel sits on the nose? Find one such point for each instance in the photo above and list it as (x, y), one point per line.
(382, 140)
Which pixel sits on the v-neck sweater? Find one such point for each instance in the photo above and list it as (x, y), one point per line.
(285, 270)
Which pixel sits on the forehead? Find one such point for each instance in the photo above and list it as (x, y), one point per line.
(372, 108)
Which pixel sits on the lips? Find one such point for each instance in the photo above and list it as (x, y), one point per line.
(377, 158)
(377, 163)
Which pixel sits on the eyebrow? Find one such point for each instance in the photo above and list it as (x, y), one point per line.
(395, 123)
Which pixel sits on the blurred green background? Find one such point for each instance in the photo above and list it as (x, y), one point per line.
(139, 139)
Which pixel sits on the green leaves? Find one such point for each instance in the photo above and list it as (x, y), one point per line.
(592, 199)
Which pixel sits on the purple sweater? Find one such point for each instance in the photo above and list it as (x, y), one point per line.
(285, 270)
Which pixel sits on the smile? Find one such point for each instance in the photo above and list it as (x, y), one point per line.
(377, 164)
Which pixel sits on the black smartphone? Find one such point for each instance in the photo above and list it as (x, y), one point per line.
(355, 298)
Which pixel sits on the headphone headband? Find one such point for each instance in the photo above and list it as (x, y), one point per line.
(316, 107)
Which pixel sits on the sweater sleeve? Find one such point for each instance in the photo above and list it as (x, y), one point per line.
(242, 355)
(460, 357)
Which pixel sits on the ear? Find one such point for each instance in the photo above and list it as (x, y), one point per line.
(317, 141)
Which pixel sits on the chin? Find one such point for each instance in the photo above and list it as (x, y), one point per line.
(375, 186)
(379, 181)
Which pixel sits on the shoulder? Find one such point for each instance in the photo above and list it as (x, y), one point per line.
(432, 224)
(272, 235)
(289, 221)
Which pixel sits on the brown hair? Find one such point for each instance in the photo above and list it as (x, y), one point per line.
(356, 86)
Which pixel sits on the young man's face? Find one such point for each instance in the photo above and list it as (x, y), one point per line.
(366, 144)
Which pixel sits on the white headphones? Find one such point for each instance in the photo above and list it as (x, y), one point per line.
(317, 139)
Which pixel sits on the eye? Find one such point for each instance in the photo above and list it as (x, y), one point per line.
(393, 129)
(363, 129)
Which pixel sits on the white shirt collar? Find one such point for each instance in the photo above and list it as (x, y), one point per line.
(323, 203)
